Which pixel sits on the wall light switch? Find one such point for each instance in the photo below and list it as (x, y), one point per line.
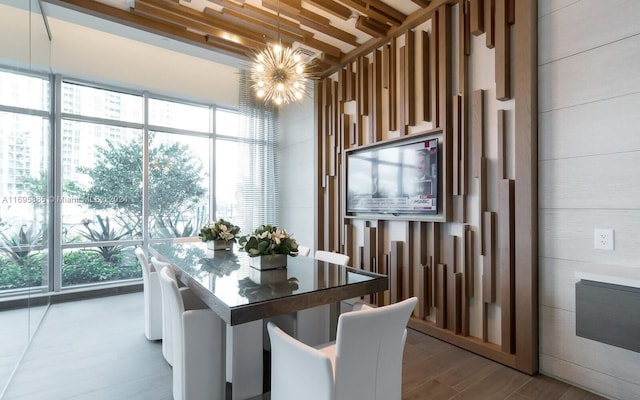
(603, 239)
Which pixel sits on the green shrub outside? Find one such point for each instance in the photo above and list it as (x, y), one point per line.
(79, 267)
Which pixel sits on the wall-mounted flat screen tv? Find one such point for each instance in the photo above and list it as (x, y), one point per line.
(398, 178)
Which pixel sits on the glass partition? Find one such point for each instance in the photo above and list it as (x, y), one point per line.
(25, 92)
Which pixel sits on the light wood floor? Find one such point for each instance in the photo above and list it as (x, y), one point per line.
(96, 350)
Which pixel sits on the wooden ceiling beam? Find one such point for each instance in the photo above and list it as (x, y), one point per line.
(162, 10)
(422, 3)
(314, 21)
(412, 20)
(334, 8)
(261, 15)
(234, 16)
(324, 47)
(372, 27)
(395, 15)
(371, 11)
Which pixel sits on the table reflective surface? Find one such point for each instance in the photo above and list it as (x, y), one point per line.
(238, 293)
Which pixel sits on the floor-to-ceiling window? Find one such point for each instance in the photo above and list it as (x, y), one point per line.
(129, 168)
(24, 182)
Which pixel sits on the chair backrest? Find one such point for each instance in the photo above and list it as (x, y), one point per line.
(144, 263)
(172, 300)
(303, 251)
(369, 346)
(335, 258)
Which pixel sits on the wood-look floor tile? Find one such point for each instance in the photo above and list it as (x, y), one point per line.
(431, 390)
(543, 387)
(575, 393)
(497, 385)
(95, 349)
(475, 369)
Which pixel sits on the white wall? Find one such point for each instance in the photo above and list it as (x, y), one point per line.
(297, 183)
(589, 177)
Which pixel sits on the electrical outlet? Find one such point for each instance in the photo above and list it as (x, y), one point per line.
(603, 239)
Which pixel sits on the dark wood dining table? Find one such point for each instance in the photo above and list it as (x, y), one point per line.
(243, 296)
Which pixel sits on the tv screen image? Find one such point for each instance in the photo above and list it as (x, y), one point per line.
(401, 178)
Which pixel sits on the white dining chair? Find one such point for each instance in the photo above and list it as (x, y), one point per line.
(198, 344)
(167, 321)
(303, 251)
(334, 258)
(152, 298)
(364, 363)
(314, 325)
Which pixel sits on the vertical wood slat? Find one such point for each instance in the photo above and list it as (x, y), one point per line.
(330, 233)
(371, 100)
(335, 109)
(410, 78)
(349, 130)
(489, 23)
(441, 295)
(457, 138)
(469, 264)
(451, 270)
(526, 190)
(407, 271)
(426, 78)
(338, 219)
(402, 90)
(393, 86)
(489, 261)
(351, 84)
(385, 66)
(369, 247)
(434, 63)
(506, 263)
(363, 85)
(502, 150)
(423, 276)
(482, 200)
(349, 232)
(503, 51)
(467, 283)
(467, 28)
(342, 84)
(477, 17)
(376, 112)
(451, 298)
(380, 234)
(332, 155)
(378, 298)
(320, 174)
(511, 11)
(477, 130)
(485, 321)
(433, 245)
(458, 300)
(445, 99)
(395, 271)
(463, 101)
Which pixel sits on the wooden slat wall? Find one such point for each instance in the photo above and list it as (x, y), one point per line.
(443, 268)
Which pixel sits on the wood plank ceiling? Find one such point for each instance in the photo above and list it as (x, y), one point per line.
(330, 32)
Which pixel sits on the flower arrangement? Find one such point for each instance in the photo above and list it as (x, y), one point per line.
(269, 240)
(219, 230)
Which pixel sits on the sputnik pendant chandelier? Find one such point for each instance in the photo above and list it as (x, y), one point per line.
(278, 74)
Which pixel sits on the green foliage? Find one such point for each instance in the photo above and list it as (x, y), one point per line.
(219, 230)
(174, 181)
(20, 246)
(269, 240)
(79, 267)
(104, 233)
(27, 274)
(177, 227)
(85, 266)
